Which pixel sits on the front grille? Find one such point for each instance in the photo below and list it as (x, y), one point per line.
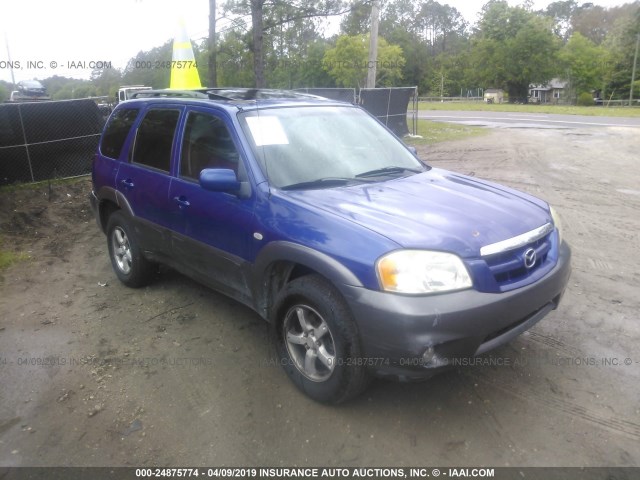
(509, 266)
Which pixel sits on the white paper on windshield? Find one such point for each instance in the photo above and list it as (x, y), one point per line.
(267, 130)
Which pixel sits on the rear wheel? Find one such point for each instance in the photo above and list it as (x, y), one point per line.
(130, 266)
(317, 341)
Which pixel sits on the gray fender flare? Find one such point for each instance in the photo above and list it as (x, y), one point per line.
(283, 251)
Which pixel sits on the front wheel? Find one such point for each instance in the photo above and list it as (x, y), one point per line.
(317, 341)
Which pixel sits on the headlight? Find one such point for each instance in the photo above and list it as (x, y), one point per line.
(557, 223)
(422, 271)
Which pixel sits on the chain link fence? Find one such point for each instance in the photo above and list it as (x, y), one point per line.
(392, 106)
(340, 94)
(46, 140)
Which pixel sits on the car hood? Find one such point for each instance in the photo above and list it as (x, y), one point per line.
(437, 210)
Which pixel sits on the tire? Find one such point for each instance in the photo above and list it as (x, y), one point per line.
(323, 365)
(127, 260)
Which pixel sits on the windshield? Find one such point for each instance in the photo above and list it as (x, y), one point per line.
(323, 147)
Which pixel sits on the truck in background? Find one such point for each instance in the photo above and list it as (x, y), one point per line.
(125, 92)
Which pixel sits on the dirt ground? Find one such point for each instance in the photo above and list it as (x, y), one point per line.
(95, 374)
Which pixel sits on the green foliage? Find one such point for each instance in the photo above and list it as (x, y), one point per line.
(512, 49)
(584, 64)
(279, 31)
(106, 81)
(310, 71)
(235, 61)
(356, 22)
(63, 88)
(8, 258)
(426, 43)
(446, 78)
(141, 69)
(620, 45)
(561, 12)
(348, 62)
(585, 99)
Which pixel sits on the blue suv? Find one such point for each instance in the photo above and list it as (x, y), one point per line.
(365, 260)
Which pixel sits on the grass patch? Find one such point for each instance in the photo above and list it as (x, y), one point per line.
(593, 111)
(435, 132)
(38, 185)
(9, 258)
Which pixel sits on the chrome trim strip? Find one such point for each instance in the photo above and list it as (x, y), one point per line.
(516, 242)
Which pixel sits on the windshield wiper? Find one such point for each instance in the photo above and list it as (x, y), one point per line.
(324, 183)
(379, 172)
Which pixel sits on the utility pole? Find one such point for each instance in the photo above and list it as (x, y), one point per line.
(633, 73)
(6, 41)
(211, 45)
(373, 45)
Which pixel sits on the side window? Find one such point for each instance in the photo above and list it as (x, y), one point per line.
(116, 131)
(155, 139)
(207, 143)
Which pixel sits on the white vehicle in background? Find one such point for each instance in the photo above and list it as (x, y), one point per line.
(126, 92)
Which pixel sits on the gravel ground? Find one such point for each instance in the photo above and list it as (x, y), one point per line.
(96, 374)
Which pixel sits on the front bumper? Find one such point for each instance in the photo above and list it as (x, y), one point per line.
(412, 338)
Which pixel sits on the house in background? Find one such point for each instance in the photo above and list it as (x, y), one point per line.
(551, 92)
(493, 95)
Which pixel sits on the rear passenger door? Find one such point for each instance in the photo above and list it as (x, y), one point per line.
(145, 179)
(212, 230)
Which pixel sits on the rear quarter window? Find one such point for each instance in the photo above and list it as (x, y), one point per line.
(116, 131)
(154, 139)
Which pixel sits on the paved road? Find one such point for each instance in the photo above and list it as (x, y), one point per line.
(527, 120)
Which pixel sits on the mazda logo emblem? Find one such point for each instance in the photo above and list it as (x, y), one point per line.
(530, 258)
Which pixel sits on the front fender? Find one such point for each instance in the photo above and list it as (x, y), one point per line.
(293, 253)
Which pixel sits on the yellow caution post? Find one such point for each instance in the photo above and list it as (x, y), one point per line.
(184, 73)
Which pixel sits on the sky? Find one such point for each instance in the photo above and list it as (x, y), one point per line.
(69, 37)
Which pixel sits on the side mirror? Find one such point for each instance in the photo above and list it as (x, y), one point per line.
(413, 150)
(219, 180)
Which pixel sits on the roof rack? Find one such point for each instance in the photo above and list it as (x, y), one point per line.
(170, 94)
(225, 94)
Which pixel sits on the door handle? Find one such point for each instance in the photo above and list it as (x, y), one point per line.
(127, 183)
(181, 201)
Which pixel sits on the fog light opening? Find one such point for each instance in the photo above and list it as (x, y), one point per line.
(428, 357)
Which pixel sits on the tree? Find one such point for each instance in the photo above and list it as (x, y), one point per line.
(424, 31)
(592, 21)
(417, 54)
(348, 62)
(512, 49)
(447, 76)
(562, 13)
(235, 60)
(4, 93)
(106, 81)
(584, 64)
(74, 89)
(620, 45)
(357, 20)
(440, 23)
(141, 69)
(268, 15)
